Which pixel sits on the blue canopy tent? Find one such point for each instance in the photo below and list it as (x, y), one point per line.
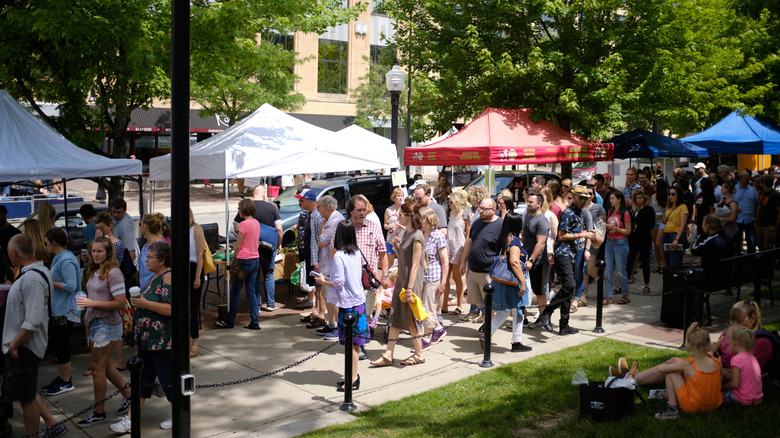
(738, 134)
(645, 144)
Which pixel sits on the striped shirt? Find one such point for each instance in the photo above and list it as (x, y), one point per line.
(27, 308)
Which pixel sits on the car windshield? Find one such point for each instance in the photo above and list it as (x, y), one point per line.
(583, 165)
(287, 201)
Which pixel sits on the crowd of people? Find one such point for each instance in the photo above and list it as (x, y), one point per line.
(120, 290)
(436, 237)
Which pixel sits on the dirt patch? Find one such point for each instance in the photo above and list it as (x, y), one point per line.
(546, 424)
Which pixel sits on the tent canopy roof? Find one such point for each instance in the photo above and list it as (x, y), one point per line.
(738, 134)
(501, 136)
(645, 144)
(270, 142)
(32, 150)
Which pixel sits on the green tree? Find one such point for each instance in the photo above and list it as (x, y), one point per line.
(593, 67)
(65, 51)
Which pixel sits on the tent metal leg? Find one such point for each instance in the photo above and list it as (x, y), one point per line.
(227, 240)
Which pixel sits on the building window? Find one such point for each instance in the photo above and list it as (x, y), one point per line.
(332, 67)
(286, 41)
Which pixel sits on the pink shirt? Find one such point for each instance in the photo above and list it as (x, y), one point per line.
(251, 230)
(749, 390)
(616, 220)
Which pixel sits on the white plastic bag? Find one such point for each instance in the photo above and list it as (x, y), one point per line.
(579, 378)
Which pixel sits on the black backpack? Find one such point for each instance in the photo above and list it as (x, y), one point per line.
(773, 370)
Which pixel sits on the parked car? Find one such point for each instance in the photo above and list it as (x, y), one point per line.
(376, 188)
(504, 179)
(583, 170)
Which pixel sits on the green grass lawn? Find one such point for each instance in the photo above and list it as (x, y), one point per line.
(535, 398)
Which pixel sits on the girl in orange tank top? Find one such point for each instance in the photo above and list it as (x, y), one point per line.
(692, 384)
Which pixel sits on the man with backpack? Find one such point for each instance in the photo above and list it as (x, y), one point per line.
(25, 335)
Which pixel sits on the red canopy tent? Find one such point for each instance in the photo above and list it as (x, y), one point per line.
(499, 137)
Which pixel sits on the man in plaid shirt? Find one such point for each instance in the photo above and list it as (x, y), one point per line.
(371, 243)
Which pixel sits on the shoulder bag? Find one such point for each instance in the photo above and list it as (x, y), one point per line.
(500, 270)
(369, 278)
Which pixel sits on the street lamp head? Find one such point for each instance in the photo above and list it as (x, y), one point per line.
(395, 79)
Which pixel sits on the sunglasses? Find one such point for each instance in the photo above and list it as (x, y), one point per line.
(566, 187)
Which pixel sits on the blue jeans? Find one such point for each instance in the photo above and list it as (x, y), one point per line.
(250, 268)
(579, 273)
(266, 281)
(616, 256)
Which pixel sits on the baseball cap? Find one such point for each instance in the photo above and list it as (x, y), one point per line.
(607, 176)
(307, 194)
(700, 165)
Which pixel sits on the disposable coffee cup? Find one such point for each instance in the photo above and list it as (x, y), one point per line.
(80, 294)
(135, 292)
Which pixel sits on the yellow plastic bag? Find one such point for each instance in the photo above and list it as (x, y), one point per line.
(416, 305)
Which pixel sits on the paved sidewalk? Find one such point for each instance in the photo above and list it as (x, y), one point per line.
(304, 397)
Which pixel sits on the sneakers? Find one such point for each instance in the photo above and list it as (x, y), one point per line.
(91, 419)
(121, 426)
(568, 330)
(669, 412)
(324, 330)
(56, 430)
(333, 335)
(167, 424)
(426, 344)
(438, 335)
(57, 386)
(124, 407)
(271, 309)
(518, 347)
(362, 355)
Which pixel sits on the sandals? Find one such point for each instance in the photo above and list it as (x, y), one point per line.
(646, 291)
(306, 318)
(658, 270)
(625, 300)
(574, 306)
(381, 362)
(194, 352)
(607, 301)
(316, 322)
(457, 311)
(412, 360)
(631, 280)
(223, 325)
(582, 303)
(88, 372)
(452, 303)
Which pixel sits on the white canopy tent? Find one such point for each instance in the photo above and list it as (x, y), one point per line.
(32, 150)
(271, 143)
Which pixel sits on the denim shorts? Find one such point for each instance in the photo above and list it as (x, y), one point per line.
(102, 334)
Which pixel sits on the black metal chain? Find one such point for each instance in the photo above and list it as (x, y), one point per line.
(271, 373)
(81, 412)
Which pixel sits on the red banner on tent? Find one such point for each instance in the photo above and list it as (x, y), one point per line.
(500, 137)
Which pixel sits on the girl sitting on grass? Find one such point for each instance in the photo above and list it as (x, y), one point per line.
(745, 383)
(692, 384)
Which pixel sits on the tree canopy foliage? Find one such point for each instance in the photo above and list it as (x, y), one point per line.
(594, 67)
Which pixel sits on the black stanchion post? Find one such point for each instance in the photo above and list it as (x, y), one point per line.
(757, 279)
(488, 312)
(135, 365)
(600, 266)
(349, 321)
(686, 298)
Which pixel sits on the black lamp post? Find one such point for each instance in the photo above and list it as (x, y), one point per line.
(394, 80)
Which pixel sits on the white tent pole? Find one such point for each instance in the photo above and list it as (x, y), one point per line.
(227, 242)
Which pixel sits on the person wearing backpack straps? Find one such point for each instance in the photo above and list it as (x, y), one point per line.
(25, 334)
(616, 255)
